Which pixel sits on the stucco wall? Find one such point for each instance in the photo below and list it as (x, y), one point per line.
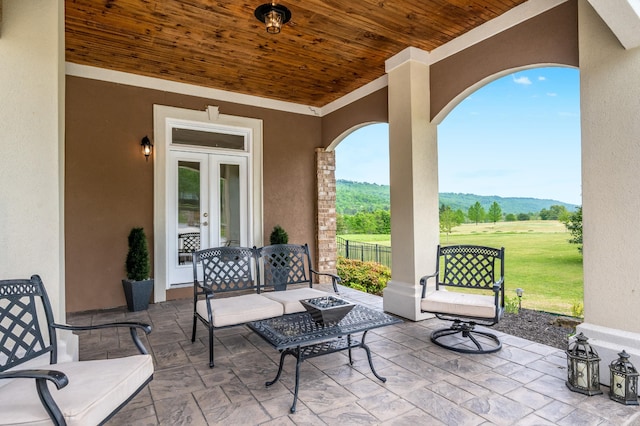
(31, 56)
(109, 186)
(549, 38)
(610, 108)
(372, 108)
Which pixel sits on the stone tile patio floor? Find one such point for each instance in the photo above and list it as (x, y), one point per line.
(523, 384)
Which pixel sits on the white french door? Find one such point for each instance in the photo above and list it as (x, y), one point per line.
(207, 188)
(207, 206)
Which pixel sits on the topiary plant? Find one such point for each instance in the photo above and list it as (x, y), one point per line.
(137, 264)
(278, 236)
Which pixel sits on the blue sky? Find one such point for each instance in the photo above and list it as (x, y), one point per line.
(518, 136)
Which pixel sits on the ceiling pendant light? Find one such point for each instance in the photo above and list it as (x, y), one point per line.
(273, 15)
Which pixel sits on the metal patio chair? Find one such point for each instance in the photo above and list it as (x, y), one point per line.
(188, 242)
(82, 392)
(473, 270)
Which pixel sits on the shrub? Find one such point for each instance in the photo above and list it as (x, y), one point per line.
(278, 236)
(511, 305)
(137, 263)
(370, 277)
(577, 309)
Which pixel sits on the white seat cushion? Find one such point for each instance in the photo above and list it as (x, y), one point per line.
(290, 299)
(454, 303)
(239, 309)
(95, 389)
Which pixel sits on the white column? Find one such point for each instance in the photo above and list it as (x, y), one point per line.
(32, 148)
(610, 105)
(413, 157)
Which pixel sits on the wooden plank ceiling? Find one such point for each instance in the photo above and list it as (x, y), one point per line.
(328, 49)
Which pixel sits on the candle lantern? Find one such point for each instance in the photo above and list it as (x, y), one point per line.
(624, 380)
(583, 367)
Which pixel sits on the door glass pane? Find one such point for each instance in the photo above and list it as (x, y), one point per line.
(188, 210)
(230, 204)
(208, 139)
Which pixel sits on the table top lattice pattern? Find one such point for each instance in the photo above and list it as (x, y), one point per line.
(300, 329)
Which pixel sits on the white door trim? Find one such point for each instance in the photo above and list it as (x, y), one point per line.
(163, 116)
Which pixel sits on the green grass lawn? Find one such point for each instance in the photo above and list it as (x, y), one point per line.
(538, 259)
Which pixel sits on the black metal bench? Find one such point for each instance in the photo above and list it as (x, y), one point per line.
(86, 392)
(232, 290)
(472, 269)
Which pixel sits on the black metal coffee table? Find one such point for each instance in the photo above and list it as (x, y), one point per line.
(300, 336)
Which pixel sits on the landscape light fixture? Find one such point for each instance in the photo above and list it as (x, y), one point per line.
(147, 147)
(624, 380)
(583, 367)
(519, 293)
(273, 15)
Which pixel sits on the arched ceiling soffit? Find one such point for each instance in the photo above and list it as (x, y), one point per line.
(548, 39)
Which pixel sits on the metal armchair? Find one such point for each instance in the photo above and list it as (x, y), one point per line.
(86, 392)
(187, 243)
(476, 274)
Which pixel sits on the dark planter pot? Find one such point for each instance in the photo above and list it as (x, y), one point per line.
(138, 294)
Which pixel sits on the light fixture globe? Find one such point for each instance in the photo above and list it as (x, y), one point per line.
(147, 147)
(273, 15)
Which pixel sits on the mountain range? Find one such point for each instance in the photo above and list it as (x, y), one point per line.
(352, 197)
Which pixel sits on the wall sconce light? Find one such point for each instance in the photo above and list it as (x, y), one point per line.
(624, 380)
(273, 15)
(147, 147)
(583, 367)
(519, 293)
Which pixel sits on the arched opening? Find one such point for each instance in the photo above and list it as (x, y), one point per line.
(514, 144)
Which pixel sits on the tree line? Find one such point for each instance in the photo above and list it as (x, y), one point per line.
(379, 221)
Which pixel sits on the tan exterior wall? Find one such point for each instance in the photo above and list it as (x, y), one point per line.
(370, 109)
(109, 186)
(547, 39)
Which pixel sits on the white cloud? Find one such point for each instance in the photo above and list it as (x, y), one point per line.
(522, 80)
(552, 94)
(542, 78)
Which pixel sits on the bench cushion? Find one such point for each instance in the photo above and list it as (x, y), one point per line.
(290, 299)
(454, 303)
(96, 388)
(239, 309)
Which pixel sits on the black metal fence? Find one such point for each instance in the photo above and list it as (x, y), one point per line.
(366, 252)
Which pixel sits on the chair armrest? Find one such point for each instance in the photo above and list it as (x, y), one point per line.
(203, 288)
(498, 290)
(423, 283)
(133, 326)
(335, 279)
(58, 378)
